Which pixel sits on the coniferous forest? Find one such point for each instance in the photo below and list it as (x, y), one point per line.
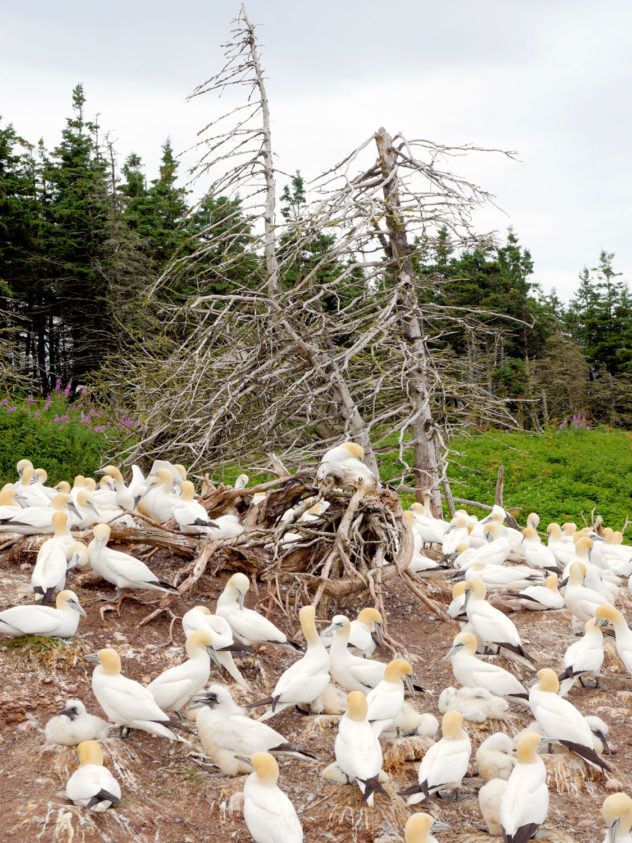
(85, 241)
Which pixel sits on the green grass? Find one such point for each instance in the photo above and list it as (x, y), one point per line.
(556, 474)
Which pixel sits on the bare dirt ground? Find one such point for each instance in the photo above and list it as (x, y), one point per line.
(169, 798)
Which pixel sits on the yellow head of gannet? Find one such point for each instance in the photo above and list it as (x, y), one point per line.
(548, 681)
(530, 533)
(22, 464)
(617, 537)
(84, 500)
(420, 826)
(463, 641)
(77, 554)
(370, 616)
(27, 475)
(110, 661)
(583, 545)
(526, 747)
(89, 753)
(79, 480)
(68, 599)
(354, 450)
(551, 582)
(204, 609)
(181, 470)
(187, 490)
(63, 487)
(476, 588)
(533, 519)
(409, 517)
(576, 573)
(491, 531)
(266, 767)
(112, 471)
(458, 589)
(60, 522)
(62, 500)
(238, 585)
(91, 484)
(101, 533)
(606, 614)
(417, 507)
(400, 670)
(451, 725)
(41, 475)
(554, 531)
(7, 495)
(617, 812)
(357, 706)
(197, 640)
(569, 527)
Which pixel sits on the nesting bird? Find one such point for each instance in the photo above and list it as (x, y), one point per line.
(92, 785)
(268, 813)
(495, 758)
(73, 724)
(489, 624)
(419, 828)
(584, 657)
(542, 597)
(200, 617)
(608, 615)
(176, 685)
(343, 465)
(525, 801)
(475, 673)
(59, 622)
(617, 813)
(357, 748)
(248, 626)
(386, 700)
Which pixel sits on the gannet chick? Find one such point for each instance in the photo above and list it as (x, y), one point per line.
(92, 785)
(623, 636)
(200, 617)
(489, 624)
(599, 728)
(176, 685)
(248, 626)
(126, 702)
(73, 724)
(542, 597)
(419, 828)
(525, 802)
(191, 516)
(121, 569)
(445, 763)
(617, 813)
(385, 701)
(357, 748)
(475, 704)
(59, 622)
(227, 526)
(307, 678)
(583, 657)
(537, 554)
(560, 721)
(475, 673)
(411, 722)
(268, 813)
(227, 733)
(489, 798)
(495, 758)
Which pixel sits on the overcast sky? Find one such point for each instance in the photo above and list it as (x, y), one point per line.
(550, 79)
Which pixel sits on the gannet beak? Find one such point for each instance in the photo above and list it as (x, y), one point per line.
(332, 628)
(67, 711)
(93, 507)
(100, 471)
(452, 651)
(408, 682)
(439, 826)
(468, 592)
(33, 480)
(240, 599)
(72, 507)
(74, 560)
(92, 657)
(213, 655)
(75, 605)
(612, 831)
(137, 500)
(378, 632)
(245, 758)
(531, 682)
(603, 740)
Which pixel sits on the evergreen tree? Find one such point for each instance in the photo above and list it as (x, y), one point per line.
(166, 211)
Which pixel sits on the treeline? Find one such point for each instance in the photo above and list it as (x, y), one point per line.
(82, 243)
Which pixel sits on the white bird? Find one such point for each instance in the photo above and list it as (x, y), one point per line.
(525, 802)
(124, 496)
(386, 700)
(504, 576)
(563, 552)
(537, 554)
(8, 503)
(560, 721)
(496, 548)
(583, 657)
(606, 615)
(226, 732)
(73, 724)
(307, 678)
(268, 813)
(92, 785)
(419, 828)
(126, 702)
(617, 813)
(429, 528)
(176, 685)
(472, 672)
(158, 501)
(445, 764)
(343, 464)
(357, 748)
(489, 798)
(488, 623)
(352, 673)
(542, 597)
(121, 569)
(475, 704)
(29, 491)
(35, 520)
(88, 513)
(495, 758)
(49, 573)
(46, 621)
(200, 617)
(191, 516)
(227, 526)
(365, 632)
(455, 535)
(178, 472)
(248, 626)
(582, 602)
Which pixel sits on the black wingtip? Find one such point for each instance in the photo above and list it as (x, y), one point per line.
(587, 753)
(410, 791)
(288, 747)
(372, 785)
(295, 645)
(168, 586)
(102, 796)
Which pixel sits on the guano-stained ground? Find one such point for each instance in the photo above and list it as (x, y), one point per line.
(169, 798)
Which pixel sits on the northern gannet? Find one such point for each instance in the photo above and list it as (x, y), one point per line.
(49, 573)
(226, 732)
(385, 701)
(617, 813)
(560, 721)
(582, 602)
(357, 748)
(268, 813)
(73, 724)
(542, 597)
(606, 615)
(366, 632)
(445, 763)
(176, 685)
(495, 758)
(92, 785)
(583, 657)
(191, 516)
(472, 672)
(126, 702)
(200, 617)
(525, 801)
(537, 554)
(489, 624)
(59, 622)
(248, 626)
(343, 464)
(37, 519)
(351, 672)
(307, 678)
(121, 569)
(419, 828)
